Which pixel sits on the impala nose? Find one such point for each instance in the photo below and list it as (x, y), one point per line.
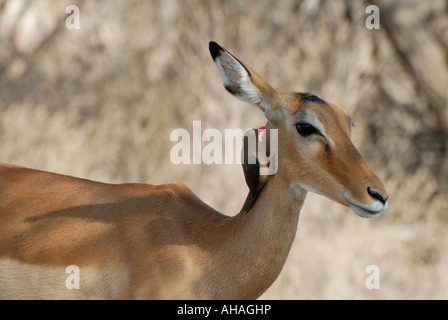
(375, 194)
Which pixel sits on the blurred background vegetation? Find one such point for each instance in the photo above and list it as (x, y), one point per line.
(100, 103)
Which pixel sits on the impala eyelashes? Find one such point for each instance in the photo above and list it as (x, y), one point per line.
(306, 130)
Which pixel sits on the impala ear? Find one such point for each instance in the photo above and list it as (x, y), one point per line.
(241, 81)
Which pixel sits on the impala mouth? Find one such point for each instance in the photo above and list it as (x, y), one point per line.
(368, 211)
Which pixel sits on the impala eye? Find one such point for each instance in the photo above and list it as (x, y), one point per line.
(305, 129)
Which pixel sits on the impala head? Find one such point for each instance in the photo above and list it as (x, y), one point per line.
(315, 152)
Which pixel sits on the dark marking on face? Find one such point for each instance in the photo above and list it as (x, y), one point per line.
(327, 148)
(311, 97)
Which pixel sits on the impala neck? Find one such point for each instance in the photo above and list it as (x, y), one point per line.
(257, 242)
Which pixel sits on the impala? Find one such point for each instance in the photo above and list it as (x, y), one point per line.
(140, 241)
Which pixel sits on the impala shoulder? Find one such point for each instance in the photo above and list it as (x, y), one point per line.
(8, 169)
(169, 191)
(178, 188)
(185, 197)
(7, 166)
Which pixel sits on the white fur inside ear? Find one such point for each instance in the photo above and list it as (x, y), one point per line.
(237, 81)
